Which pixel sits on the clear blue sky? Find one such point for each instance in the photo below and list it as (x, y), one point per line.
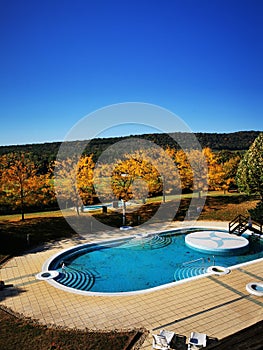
(63, 59)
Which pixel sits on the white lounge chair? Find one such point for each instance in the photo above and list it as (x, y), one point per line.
(162, 341)
(197, 341)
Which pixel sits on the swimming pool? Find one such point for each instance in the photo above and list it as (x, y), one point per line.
(138, 263)
(88, 208)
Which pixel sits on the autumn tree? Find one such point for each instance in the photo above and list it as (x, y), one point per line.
(216, 174)
(85, 179)
(21, 184)
(198, 166)
(73, 180)
(169, 177)
(199, 169)
(121, 179)
(102, 182)
(230, 170)
(65, 181)
(185, 169)
(133, 177)
(145, 172)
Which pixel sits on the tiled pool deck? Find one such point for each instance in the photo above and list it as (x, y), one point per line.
(216, 305)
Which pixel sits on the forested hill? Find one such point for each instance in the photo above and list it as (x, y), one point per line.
(237, 141)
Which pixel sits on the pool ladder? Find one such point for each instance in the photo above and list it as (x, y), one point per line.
(200, 259)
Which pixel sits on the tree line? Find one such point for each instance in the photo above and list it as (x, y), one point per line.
(44, 153)
(26, 184)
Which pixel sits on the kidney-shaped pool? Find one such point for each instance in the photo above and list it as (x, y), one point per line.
(144, 262)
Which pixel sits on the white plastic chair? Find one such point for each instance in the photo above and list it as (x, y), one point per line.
(168, 335)
(163, 340)
(197, 341)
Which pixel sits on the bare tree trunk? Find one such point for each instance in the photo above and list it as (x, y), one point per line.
(22, 203)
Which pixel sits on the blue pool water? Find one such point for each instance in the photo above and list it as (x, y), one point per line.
(139, 263)
(88, 208)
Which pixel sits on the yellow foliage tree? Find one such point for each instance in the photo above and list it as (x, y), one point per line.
(85, 178)
(216, 174)
(144, 172)
(199, 169)
(73, 180)
(133, 177)
(198, 166)
(185, 169)
(230, 169)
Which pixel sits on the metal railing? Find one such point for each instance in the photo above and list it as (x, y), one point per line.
(204, 260)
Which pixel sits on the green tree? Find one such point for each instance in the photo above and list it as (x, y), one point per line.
(250, 175)
(250, 170)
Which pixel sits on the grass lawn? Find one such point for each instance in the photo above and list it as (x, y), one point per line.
(226, 207)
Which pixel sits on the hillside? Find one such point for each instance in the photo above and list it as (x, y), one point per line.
(237, 141)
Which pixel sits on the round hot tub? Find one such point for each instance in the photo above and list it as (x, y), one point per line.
(217, 242)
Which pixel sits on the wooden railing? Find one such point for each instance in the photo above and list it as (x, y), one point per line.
(242, 223)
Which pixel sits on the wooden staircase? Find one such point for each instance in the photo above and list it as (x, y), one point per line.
(242, 223)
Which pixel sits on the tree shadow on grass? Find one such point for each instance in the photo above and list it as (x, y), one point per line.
(234, 199)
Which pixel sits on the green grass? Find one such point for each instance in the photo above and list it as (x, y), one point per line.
(44, 214)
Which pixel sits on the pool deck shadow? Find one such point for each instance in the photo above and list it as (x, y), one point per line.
(216, 305)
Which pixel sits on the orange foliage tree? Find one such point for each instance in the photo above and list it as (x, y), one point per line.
(21, 184)
(199, 169)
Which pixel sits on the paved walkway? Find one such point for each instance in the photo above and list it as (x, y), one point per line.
(218, 306)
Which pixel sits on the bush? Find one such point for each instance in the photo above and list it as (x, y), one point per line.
(257, 212)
